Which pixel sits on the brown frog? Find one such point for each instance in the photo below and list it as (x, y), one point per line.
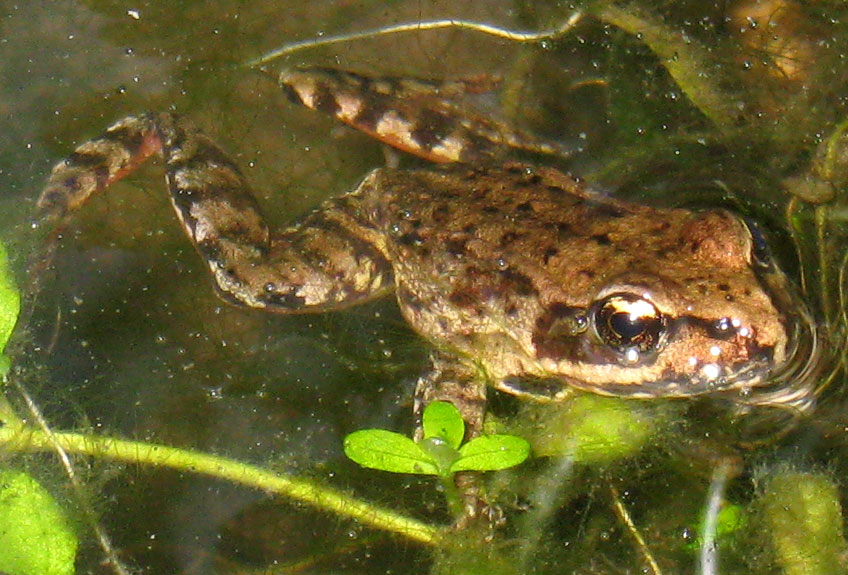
(522, 277)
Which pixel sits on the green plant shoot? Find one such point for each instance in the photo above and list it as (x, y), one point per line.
(441, 452)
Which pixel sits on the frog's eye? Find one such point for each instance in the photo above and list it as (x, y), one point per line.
(629, 323)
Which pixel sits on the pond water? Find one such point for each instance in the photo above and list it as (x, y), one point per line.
(740, 105)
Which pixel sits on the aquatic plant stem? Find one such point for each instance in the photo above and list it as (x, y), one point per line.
(18, 439)
(685, 60)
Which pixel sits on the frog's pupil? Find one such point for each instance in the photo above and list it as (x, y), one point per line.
(626, 326)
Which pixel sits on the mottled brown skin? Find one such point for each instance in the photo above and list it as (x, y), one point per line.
(507, 270)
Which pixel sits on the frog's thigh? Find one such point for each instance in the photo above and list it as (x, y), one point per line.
(456, 382)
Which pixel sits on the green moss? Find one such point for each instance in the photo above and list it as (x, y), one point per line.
(804, 517)
(591, 429)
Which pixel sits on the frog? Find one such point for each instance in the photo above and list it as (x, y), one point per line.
(523, 278)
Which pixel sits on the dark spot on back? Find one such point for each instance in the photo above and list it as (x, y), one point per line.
(411, 239)
(508, 238)
(441, 213)
(462, 298)
(608, 211)
(602, 239)
(564, 229)
(516, 283)
(549, 253)
(456, 246)
(205, 155)
(524, 207)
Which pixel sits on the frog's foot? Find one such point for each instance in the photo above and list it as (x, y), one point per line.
(332, 259)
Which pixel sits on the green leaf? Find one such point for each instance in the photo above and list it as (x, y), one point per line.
(10, 300)
(35, 535)
(442, 419)
(388, 451)
(491, 452)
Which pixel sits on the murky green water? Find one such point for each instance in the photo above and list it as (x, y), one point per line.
(127, 338)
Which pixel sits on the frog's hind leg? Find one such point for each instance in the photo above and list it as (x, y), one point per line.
(427, 119)
(324, 263)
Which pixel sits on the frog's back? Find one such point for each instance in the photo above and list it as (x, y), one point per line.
(515, 267)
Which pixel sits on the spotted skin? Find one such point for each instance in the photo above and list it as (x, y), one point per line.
(504, 268)
(422, 118)
(330, 260)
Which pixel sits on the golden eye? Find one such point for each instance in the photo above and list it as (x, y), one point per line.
(627, 322)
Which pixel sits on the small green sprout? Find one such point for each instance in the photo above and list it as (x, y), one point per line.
(440, 452)
(731, 521)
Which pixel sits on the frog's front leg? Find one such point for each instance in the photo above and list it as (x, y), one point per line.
(452, 380)
(331, 259)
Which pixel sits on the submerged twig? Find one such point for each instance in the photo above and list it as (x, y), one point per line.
(624, 516)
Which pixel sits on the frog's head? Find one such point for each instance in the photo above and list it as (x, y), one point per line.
(714, 314)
